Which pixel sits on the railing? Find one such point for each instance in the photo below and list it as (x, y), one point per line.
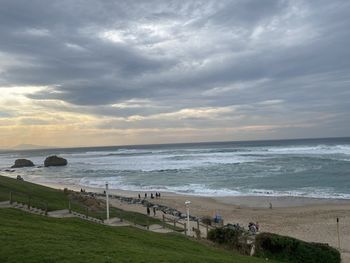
(28, 200)
(175, 222)
(85, 212)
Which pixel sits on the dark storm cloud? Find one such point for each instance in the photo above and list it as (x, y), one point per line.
(182, 54)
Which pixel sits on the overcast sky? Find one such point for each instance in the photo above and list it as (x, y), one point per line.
(80, 73)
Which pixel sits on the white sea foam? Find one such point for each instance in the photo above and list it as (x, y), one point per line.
(319, 149)
(158, 162)
(303, 192)
(190, 189)
(146, 160)
(207, 171)
(203, 190)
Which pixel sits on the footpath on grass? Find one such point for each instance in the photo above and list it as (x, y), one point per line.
(30, 238)
(66, 213)
(45, 201)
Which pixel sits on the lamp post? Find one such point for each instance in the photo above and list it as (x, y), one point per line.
(187, 203)
(107, 201)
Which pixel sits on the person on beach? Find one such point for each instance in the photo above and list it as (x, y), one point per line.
(145, 195)
(139, 196)
(252, 228)
(148, 211)
(154, 211)
(152, 196)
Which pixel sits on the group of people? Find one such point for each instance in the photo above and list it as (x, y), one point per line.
(157, 195)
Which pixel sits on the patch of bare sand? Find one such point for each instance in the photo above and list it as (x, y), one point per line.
(311, 220)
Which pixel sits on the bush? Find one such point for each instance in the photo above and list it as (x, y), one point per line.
(207, 220)
(234, 238)
(268, 245)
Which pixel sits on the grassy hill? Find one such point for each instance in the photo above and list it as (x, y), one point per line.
(30, 238)
(40, 196)
(22, 190)
(26, 237)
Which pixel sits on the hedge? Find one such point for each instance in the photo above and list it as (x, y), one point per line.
(231, 237)
(288, 249)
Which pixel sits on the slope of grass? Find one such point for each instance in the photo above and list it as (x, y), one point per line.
(140, 219)
(29, 238)
(57, 199)
(39, 195)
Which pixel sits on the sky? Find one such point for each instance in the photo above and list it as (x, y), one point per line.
(89, 73)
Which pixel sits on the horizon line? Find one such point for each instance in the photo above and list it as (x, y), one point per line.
(160, 144)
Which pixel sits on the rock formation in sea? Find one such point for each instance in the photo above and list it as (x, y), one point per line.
(19, 163)
(55, 161)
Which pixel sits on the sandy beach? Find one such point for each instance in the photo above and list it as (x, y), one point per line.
(309, 219)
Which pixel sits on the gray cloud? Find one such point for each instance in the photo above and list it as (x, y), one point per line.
(185, 54)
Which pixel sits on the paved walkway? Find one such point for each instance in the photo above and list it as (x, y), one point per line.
(116, 222)
(5, 204)
(23, 207)
(64, 213)
(60, 213)
(159, 229)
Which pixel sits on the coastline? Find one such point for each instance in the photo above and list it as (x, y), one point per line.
(309, 219)
(247, 201)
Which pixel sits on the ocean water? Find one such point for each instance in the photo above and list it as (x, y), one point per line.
(308, 168)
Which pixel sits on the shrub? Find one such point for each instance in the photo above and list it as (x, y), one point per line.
(268, 245)
(234, 238)
(207, 220)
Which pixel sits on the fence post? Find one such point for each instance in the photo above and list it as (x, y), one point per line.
(10, 198)
(338, 233)
(198, 224)
(185, 229)
(163, 219)
(69, 207)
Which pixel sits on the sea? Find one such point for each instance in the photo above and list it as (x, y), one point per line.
(317, 168)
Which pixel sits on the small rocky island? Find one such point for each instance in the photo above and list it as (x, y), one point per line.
(19, 163)
(55, 161)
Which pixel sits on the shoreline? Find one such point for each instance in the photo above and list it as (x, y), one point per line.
(308, 219)
(243, 201)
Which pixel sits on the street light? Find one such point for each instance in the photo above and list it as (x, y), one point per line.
(187, 203)
(107, 201)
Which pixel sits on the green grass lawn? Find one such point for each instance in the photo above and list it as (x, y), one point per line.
(141, 219)
(30, 238)
(57, 199)
(39, 195)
